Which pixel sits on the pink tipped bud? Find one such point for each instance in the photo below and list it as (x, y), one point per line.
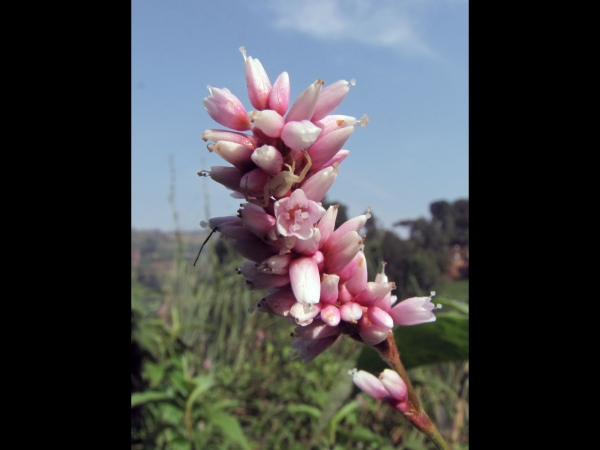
(327, 222)
(257, 81)
(325, 148)
(256, 219)
(354, 224)
(308, 350)
(278, 303)
(267, 121)
(374, 334)
(299, 135)
(351, 312)
(304, 106)
(358, 281)
(316, 330)
(226, 109)
(229, 177)
(304, 314)
(253, 182)
(348, 271)
(232, 136)
(306, 283)
(279, 99)
(369, 383)
(342, 252)
(332, 123)
(373, 293)
(317, 186)
(236, 154)
(276, 264)
(330, 314)
(380, 318)
(414, 311)
(329, 288)
(394, 385)
(310, 246)
(268, 159)
(259, 280)
(330, 98)
(337, 159)
(343, 295)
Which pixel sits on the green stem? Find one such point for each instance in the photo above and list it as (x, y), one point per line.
(415, 413)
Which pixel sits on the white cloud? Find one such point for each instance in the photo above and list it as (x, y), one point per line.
(389, 23)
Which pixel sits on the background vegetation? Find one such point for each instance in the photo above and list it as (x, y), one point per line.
(207, 374)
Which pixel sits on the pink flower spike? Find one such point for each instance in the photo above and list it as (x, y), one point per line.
(414, 311)
(306, 283)
(226, 109)
(279, 99)
(296, 215)
(329, 288)
(232, 136)
(300, 135)
(257, 81)
(330, 314)
(351, 312)
(267, 121)
(304, 106)
(268, 158)
(394, 385)
(369, 383)
(317, 186)
(331, 97)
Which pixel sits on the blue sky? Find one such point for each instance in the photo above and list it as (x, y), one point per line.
(410, 62)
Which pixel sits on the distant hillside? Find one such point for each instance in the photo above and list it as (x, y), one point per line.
(153, 253)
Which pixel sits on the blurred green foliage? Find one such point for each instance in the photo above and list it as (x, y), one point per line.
(206, 374)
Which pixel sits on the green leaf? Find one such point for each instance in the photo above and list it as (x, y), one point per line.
(231, 428)
(306, 409)
(139, 398)
(202, 385)
(446, 339)
(339, 416)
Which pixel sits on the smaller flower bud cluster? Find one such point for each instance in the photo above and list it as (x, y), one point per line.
(316, 275)
(283, 149)
(388, 387)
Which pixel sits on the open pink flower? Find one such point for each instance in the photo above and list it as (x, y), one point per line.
(414, 311)
(296, 215)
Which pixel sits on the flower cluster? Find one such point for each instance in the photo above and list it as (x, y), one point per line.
(388, 387)
(316, 275)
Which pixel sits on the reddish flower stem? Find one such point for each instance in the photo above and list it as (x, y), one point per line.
(415, 413)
